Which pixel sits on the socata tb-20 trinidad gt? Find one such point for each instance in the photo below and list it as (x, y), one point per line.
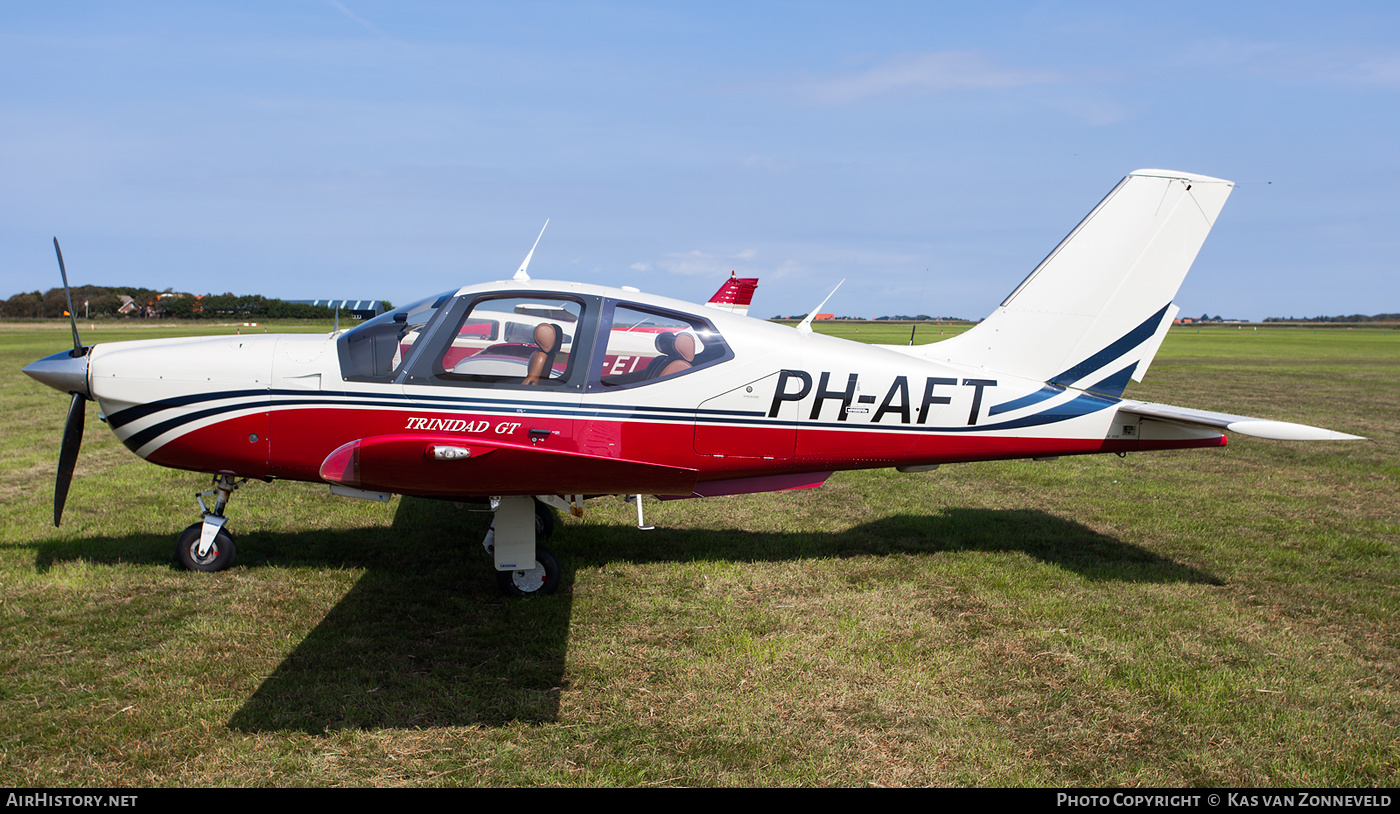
(527, 393)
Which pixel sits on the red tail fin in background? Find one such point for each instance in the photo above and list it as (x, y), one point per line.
(735, 295)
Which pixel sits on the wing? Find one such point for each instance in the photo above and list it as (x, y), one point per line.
(434, 465)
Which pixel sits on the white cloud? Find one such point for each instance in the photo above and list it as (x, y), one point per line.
(927, 73)
(696, 263)
(1291, 63)
(699, 264)
(357, 19)
(693, 263)
(787, 268)
(1095, 112)
(1381, 70)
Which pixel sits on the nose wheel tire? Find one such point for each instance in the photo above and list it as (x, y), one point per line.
(541, 580)
(219, 556)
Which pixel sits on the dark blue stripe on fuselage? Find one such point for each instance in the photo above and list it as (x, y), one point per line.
(121, 418)
(139, 439)
(1048, 391)
(1083, 404)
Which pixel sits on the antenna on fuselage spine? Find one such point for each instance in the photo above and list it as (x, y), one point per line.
(805, 326)
(520, 273)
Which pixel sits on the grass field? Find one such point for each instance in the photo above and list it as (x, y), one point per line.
(1204, 617)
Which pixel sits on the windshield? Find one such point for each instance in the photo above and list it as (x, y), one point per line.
(377, 349)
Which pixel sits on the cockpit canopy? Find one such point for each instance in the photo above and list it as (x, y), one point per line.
(516, 339)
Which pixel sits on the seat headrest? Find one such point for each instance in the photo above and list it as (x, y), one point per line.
(685, 346)
(549, 337)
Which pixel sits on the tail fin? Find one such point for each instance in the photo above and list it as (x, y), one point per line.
(735, 295)
(1094, 312)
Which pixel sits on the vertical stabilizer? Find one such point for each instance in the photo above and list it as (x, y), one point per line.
(1094, 312)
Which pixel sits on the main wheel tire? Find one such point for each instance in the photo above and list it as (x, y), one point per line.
(541, 580)
(544, 521)
(219, 556)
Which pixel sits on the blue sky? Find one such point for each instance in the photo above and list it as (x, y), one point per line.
(929, 153)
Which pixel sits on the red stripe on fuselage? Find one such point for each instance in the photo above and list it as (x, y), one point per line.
(301, 438)
(237, 446)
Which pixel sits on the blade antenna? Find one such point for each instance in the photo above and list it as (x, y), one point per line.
(805, 326)
(72, 317)
(520, 272)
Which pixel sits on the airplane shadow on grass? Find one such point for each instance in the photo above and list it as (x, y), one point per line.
(424, 638)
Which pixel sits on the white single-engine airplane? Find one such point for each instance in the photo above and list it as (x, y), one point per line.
(527, 393)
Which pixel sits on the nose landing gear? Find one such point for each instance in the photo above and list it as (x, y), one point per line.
(207, 545)
(216, 557)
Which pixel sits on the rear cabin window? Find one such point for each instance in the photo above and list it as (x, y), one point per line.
(643, 345)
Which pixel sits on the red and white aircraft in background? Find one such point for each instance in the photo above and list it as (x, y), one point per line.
(735, 295)
(527, 393)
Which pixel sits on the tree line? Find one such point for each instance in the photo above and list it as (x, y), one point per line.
(1352, 318)
(92, 302)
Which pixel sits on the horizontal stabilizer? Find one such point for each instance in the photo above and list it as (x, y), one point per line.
(1244, 425)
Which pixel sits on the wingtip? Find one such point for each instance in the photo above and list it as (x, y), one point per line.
(1286, 431)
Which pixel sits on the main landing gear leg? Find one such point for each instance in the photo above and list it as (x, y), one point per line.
(523, 567)
(206, 545)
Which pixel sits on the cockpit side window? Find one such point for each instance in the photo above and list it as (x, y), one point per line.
(645, 345)
(377, 350)
(507, 341)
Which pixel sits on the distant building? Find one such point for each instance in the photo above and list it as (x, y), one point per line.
(353, 309)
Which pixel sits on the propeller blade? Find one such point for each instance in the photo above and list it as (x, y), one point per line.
(68, 454)
(72, 315)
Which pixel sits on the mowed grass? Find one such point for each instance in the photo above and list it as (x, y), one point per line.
(1204, 617)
